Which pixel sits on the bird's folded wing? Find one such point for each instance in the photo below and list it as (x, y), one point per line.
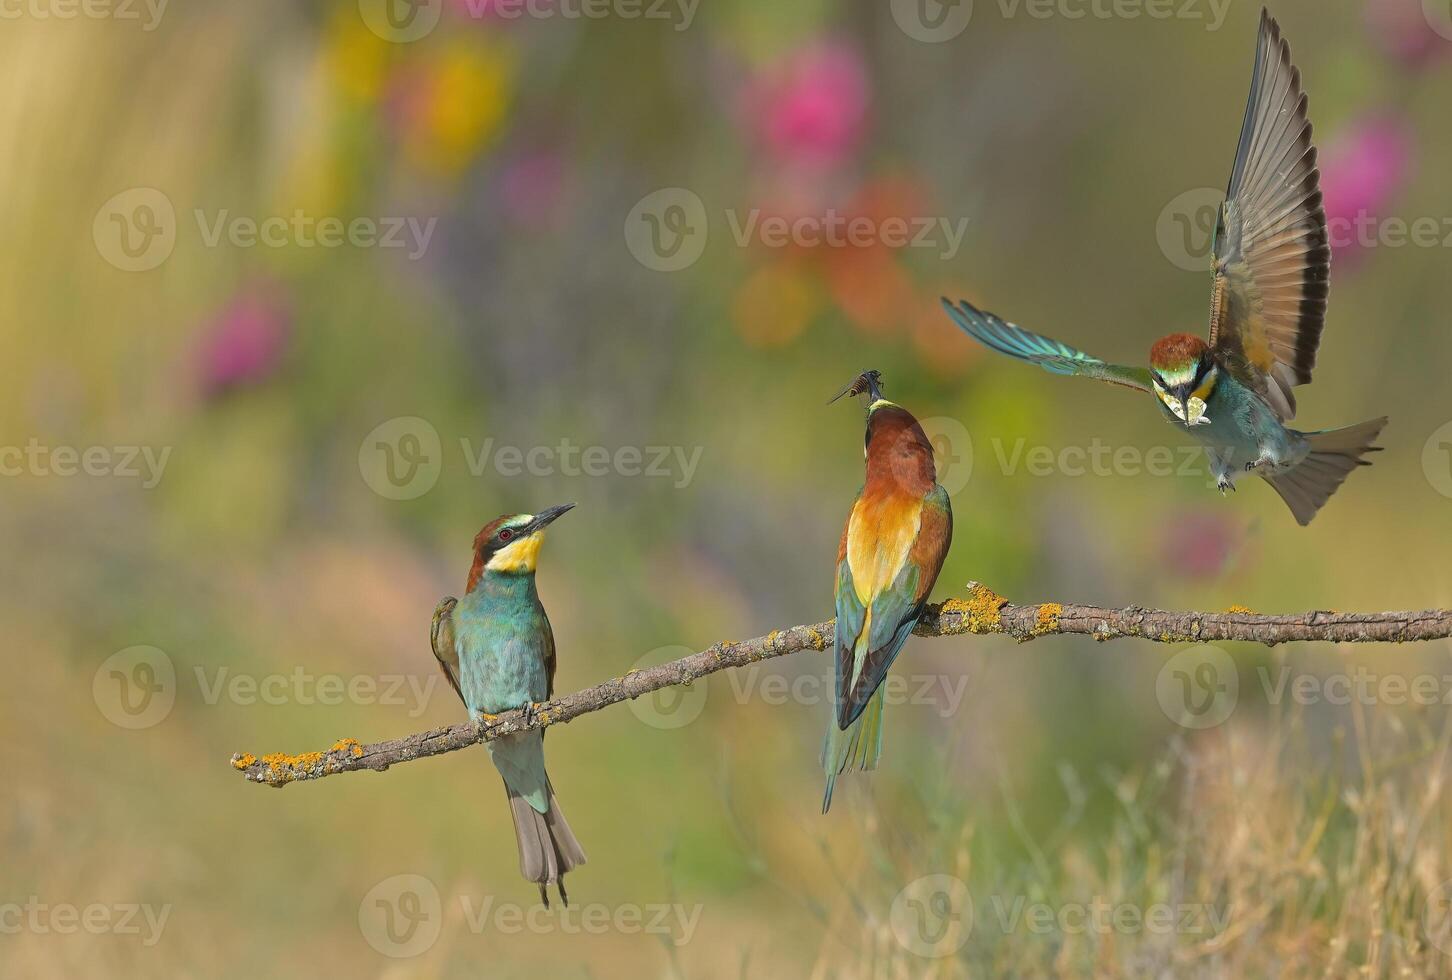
(993, 332)
(441, 638)
(1272, 253)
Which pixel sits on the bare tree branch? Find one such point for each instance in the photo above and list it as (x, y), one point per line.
(983, 612)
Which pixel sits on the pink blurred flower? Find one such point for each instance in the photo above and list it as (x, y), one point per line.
(1362, 171)
(244, 342)
(1199, 546)
(1404, 31)
(811, 110)
(530, 187)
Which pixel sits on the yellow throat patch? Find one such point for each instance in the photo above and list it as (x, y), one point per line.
(517, 556)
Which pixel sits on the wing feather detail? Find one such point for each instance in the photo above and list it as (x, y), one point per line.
(998, 334)
(1272, 251)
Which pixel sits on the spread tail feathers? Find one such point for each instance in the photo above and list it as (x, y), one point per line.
(1334, 454)
(859, 746)
(547, 846)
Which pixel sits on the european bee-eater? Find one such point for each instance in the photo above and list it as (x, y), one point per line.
(891, 552)
(496, 648)
(1272, 265)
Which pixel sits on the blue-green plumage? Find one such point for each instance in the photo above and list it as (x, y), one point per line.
(497, 650)
(504, 641)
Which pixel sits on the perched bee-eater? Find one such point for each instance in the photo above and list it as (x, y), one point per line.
(1272, 265)
(496, 648)
(891, 552)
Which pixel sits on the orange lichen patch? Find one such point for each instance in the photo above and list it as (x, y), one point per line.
(349, 745)
(242, 760)
(1240, 609)
(980, 609)
(1047, 620)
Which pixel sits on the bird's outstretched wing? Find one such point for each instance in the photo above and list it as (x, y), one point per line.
(1272, 252)
(441, 638)
(1007, 338)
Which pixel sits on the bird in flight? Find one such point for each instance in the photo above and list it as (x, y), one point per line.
(1272, 263)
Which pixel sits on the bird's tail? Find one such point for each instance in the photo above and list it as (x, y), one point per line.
(1334, 454)
(547, 846)
(858, 746)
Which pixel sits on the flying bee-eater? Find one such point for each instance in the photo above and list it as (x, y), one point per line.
(1271, 263)
(892, 549)
(496, 648)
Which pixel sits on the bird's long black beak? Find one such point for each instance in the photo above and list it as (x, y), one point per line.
(547, 517)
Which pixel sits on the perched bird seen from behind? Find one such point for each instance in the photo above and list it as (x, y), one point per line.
(496, 648)
(1272, 263)
(892, 549)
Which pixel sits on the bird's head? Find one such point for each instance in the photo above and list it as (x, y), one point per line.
(509, 545)
(1183, 374)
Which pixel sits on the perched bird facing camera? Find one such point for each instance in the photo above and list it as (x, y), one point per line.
(1272, 262)
(892, 549)
(496, 648)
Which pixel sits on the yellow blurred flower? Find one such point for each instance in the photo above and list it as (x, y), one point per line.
(775, 304)
(469, 85)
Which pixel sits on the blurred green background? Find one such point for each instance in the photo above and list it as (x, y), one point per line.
(285, 420)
